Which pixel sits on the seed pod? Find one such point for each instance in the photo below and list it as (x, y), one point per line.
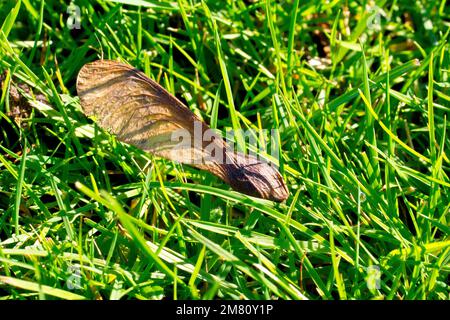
(142, 113)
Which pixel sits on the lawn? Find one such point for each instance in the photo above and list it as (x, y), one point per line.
(355, 93)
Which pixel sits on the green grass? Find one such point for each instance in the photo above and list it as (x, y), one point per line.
(361, 110)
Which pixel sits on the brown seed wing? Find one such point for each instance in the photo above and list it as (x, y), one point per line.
(142, 113)
(138, 110)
